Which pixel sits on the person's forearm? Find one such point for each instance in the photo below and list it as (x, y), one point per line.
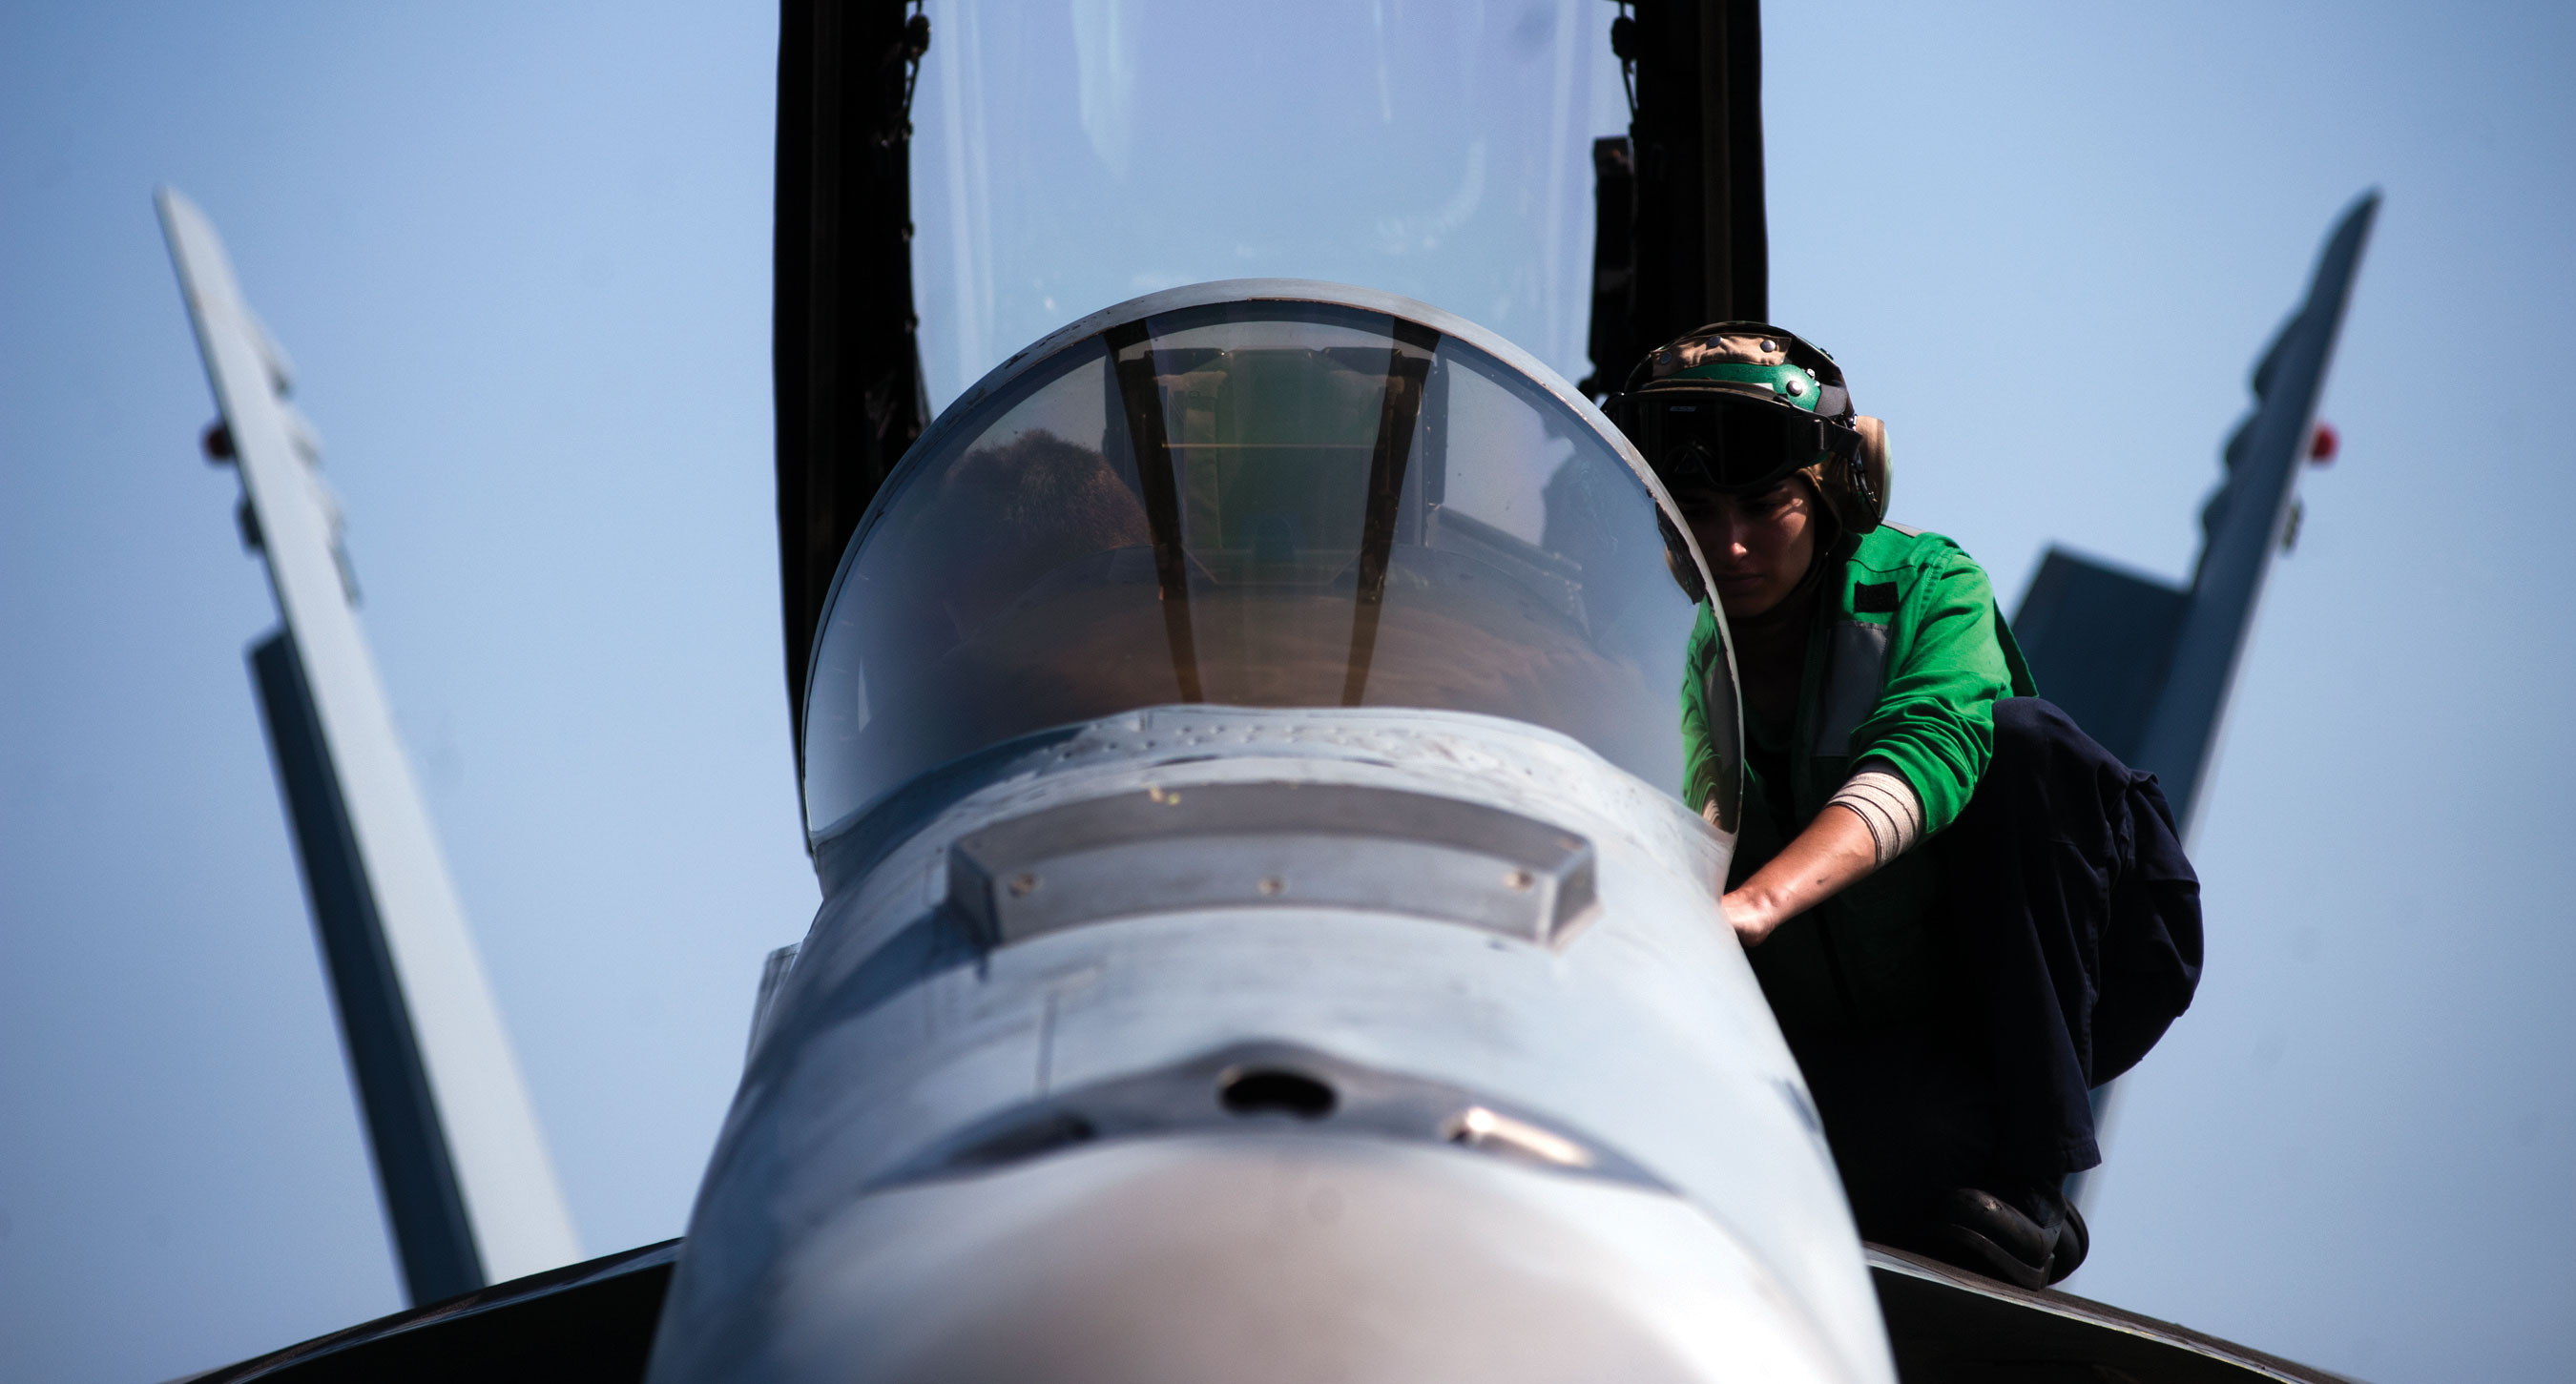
(1833, 853)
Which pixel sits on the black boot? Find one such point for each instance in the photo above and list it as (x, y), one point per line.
(1980, 1231)
(2047, 1206)
(2072, 1245)
(2030, 1235)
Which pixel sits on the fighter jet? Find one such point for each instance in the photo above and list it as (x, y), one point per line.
(1263, 938)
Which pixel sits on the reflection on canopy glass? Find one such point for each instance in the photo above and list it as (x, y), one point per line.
(1262, 503)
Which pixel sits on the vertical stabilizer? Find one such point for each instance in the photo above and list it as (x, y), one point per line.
(2244, 522)
(469, 1189)
(2146, 667)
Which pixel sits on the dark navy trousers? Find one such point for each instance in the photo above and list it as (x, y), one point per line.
(2070, 931)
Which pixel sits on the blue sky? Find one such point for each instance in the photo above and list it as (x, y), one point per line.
(521, 257)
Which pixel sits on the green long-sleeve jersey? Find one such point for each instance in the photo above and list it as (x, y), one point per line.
(1905, 660)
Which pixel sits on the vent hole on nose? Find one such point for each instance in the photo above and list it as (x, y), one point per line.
(1264, 1090)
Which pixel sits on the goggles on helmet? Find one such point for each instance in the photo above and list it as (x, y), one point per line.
(1698, 433)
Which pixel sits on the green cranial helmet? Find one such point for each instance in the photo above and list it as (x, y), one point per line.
(1738, 407)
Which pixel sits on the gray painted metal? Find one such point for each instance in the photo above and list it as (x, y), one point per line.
(432, 1238)
(958, 1154)
(2098, 640)
(517, 1223)
(2145, 667)
(1296, 1091)
(773, 973)
(2245, 521)
(1286, 844)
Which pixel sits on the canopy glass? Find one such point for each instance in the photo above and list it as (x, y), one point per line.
(1262, 501)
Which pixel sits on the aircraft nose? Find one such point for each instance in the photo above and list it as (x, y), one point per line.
(1257, 1257)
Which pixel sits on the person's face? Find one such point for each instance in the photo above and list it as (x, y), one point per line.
(1757, 546)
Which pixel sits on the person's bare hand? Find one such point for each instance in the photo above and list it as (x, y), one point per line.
(1833, 853)
(1752, 916)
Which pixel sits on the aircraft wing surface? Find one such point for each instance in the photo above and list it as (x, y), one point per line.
(593, 1324)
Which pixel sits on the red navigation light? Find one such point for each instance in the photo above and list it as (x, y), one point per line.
(2323, 443)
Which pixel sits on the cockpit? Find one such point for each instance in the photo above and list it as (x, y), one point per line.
(1264, 494)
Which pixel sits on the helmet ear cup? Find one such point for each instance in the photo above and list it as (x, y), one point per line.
(1877, 467)
(1856, 490)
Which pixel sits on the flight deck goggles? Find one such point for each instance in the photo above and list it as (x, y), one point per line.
(1699, 434)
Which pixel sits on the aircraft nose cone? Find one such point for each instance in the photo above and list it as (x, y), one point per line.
(1256, 1257)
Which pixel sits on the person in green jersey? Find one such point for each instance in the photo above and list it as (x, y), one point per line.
(1929, 861)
